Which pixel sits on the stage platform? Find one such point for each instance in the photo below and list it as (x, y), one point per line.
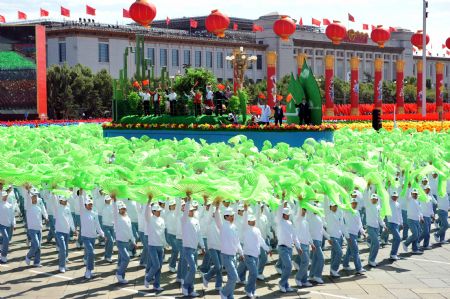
(293, 138)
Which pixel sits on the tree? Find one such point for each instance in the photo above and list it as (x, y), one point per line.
(61, 102)
(198, 77)
(76, 90)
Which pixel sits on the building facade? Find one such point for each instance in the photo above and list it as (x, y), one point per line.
(177, 45)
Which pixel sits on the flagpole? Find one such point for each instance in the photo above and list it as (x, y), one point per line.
(424, 59)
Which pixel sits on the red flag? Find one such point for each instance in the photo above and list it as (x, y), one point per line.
(194, 23)
(392, 29)
(44, 13)
(21, 15)
(2, 19)
(448, 52)
(125, 13)
(365, 26)
(315, 22)
(235, 26)
(326, 22)
(167, 21)
(351, 18)
(65, 12)
(373, 27)
(301, 22)
(90, 10)
(443, 46)
(257, 28)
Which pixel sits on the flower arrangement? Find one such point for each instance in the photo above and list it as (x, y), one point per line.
(419, 126)
(221, 127)
(46, 123)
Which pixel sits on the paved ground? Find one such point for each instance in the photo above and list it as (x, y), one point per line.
(418, 276)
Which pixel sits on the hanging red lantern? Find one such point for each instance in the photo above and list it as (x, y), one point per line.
(417, 39)
(142, 12)
(447, 42)
(380, 36)
(284, 27)
(217, 23)
(336, 32)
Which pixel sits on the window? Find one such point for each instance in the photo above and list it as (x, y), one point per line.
(219, 59)
(198, 58)
(229, 63)
(175, 57)
(163, 57)
(151, 56)
(209, 57)
(103, 52)
(62, 52)
(259, 62)
(187, 57)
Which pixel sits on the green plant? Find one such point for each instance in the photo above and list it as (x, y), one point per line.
(234, 104)
(193, 77)
(243, 99)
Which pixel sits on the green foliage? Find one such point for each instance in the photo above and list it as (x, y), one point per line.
(202, 77)
(234, 104)
(243, 100)
(134, 101)
(253, 90)
(76, 90)
(366, 92)
(410, 92)
(10, 60)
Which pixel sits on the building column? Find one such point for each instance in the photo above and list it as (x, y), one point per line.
(419, 86)
(378, 84)
(354, 85)
(329, 85)
(400, 97)
(440, 88)
(271, 75)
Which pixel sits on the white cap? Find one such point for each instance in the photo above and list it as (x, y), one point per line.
(424, 179)
(414, 191)
(240, 207)
(107, 198)
(4, 193)
(156, 208)
(374, 196)
(121, 205)
(34, 191)
(88, 201)
(427, 187)
(287, 211)
(172, 202)
(394, 193)
(352, 200)
(62, 198)
(161, 201)
(228, 212)
(251, 217)
(354, 193)
(194, 204)
(332, 204)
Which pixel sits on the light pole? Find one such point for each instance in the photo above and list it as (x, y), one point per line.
(424, 59)
(241, 61)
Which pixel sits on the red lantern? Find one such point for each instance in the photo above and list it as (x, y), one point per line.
(284, 27)
(447, 42)
(417, 39)
(142, 12)
(380, 36)
(336, 32)
(217, 23)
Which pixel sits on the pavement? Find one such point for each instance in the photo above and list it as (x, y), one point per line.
(414, 276)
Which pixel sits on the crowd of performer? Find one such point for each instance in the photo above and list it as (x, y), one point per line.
(233, 236)
(208, 102)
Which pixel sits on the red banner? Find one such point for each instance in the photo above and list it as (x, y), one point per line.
(90, 10)
(378, 84)
(44, 13)
(41, 71)
(439, 86)
(21, 15)
(354, 86)
(400, 96)
(65, 12)
(419, 86)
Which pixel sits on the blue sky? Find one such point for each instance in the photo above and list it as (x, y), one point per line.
(402, 13)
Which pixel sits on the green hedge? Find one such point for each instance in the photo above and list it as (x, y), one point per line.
(167, 119)
(12, 61)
